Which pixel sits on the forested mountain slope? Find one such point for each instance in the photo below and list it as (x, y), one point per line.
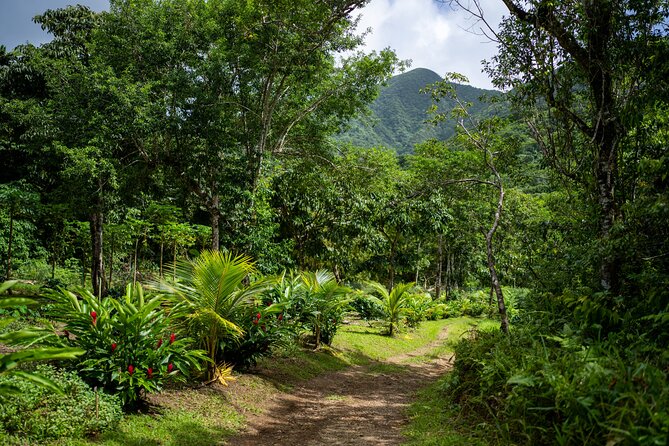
(398, 115)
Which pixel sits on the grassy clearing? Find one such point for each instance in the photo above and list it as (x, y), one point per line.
(369, 342)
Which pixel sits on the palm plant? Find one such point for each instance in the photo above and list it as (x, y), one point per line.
(9, 362)
(210, 296)
(324, 301)
(394, 302)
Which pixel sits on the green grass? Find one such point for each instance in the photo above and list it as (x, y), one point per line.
(369, 342)
(205, 418)
(434, 421)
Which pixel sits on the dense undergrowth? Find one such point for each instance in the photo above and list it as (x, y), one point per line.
(550, 381)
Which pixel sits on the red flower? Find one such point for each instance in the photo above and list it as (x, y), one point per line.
(131, 369)
(258, 316)
(170, 367)
(149, 372)
(280, 316)
(172, 338)
(113, 346)
(160, 342)
(94, 316)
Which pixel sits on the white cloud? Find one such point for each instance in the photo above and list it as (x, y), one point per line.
(432, 34)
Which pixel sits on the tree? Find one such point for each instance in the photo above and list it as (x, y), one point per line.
(18, 202)
(241, 82)
(488, 143)
(592, 68)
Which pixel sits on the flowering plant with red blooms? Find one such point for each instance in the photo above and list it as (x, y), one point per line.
(265, 330)
(123, 339)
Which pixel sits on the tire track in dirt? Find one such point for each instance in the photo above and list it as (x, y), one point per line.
(354, 406)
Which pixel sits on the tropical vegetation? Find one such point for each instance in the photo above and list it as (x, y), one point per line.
(191, 188)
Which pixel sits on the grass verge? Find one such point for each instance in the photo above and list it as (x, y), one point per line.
(435, 421)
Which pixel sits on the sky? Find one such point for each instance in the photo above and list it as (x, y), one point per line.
(428, 32)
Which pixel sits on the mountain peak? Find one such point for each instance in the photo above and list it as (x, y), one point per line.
(399, 113)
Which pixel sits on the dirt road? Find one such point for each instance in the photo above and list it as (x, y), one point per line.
(361, 405)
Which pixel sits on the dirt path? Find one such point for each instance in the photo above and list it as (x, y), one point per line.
(356, 406)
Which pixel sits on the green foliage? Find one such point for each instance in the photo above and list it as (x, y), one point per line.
(366, 308)
(394, 303)
(130, 348)
(35, 414)
(322, 303)
(211, 301)
(265, 328)
(418, 307)
(532, 388)
(10, 362)
(468, 303)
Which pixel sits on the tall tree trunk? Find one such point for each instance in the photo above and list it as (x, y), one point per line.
(491, 261)
(391, 266)
(215, 214)
(9, 246)
(97, 270)
(162, 249)
(111, 261)
(440, 263)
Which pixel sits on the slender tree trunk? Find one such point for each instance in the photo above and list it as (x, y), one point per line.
(491, 261)
(97, 271)
(391, 266)
(134, 268)
(111, 261)
(9, 246)
(215, 214)
(162, 248)
(440, 263)
(174, 263)
(606, 173)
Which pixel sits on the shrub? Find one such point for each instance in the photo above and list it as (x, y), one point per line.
(393, 302)
(210, 297)
(474, 303)
(366, 308)
(130, 348)
(323, 303)
(38, 413)
(417, 309)
(551, 389)
(9, 363)
(264, 327)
